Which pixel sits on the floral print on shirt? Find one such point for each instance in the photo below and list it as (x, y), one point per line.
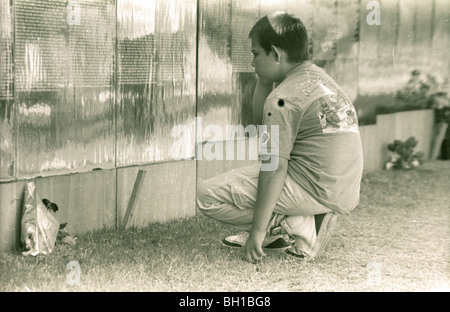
(336, 114)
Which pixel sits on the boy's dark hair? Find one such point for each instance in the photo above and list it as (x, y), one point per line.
(282, 30)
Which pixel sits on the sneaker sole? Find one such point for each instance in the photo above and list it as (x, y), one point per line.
(277, 245)
(296, 255)
(230, 244)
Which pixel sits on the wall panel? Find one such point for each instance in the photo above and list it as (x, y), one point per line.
(167, 192)
(64, 86)
(215, 70)
(11, 203)
(156, 77)
(86, 200)
(7, 123)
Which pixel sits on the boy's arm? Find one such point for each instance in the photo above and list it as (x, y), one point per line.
(270, 185)
(262, 90)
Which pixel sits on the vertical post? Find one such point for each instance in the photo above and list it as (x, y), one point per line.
(132, 200)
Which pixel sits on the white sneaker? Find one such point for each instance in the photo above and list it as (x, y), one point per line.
(276, 242)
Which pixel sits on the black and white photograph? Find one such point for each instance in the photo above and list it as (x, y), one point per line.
(224, 151)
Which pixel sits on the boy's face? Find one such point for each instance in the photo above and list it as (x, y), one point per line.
(265, 65)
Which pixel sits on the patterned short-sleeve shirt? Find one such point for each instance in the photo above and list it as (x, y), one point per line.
(311, 122)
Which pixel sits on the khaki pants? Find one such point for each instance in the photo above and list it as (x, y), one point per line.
(230, 199)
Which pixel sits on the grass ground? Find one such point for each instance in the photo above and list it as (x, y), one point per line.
(398, 239)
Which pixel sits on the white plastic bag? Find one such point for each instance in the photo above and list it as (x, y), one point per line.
(39, 228)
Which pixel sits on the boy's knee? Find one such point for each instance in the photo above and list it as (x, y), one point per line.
(201, 196)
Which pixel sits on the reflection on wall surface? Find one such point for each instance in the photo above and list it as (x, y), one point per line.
(64, 87)
(225, 78)
(73, 109)
(364, 58)
(7, 143)
(101, 83)
(156, 77)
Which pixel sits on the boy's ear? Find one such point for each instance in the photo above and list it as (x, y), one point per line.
(276, 53)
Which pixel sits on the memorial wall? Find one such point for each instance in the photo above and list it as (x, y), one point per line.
(100, 84)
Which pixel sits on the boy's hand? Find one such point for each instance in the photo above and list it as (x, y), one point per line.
(253, 247)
